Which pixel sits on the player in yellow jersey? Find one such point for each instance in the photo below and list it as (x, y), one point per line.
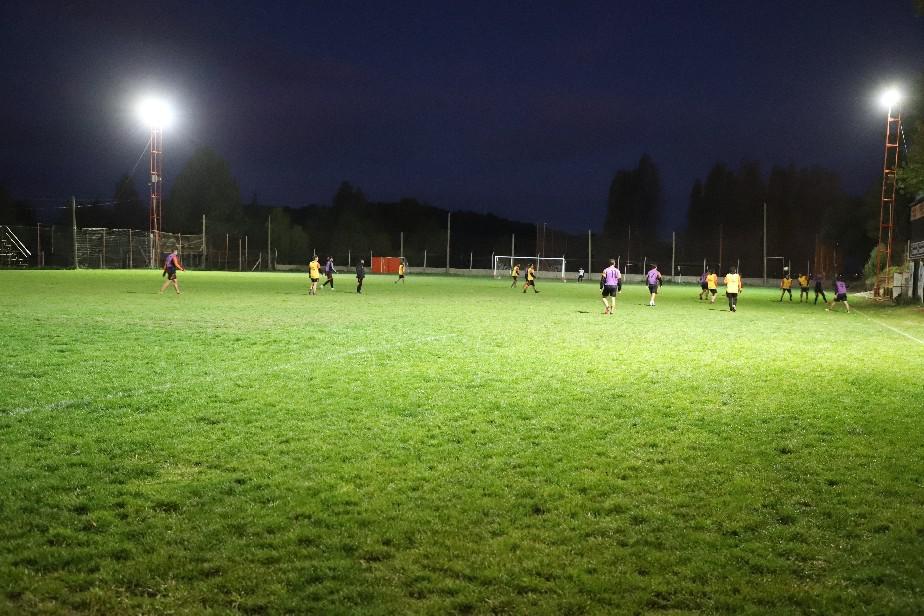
(786, 285)
(400, 272)
(530, 279)
(314, 272)
(803, 287)
(712, 283)
(733, 288)
(515, 274)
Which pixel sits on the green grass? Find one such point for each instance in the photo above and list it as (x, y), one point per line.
(452, 445)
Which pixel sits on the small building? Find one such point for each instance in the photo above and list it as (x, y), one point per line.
(917, 250)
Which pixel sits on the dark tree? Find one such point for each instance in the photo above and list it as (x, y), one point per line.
(204, 186)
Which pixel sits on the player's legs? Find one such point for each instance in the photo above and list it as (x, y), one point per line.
(165, 285)
(176, 285)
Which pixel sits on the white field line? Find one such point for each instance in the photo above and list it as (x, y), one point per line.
(887, 326)
(61, 404)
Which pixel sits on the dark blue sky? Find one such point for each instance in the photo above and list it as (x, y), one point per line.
(522, 109)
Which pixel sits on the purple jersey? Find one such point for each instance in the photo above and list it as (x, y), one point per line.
(702, 278)
(170, 262)
(611, 276)
(840, 287)
(653, 276)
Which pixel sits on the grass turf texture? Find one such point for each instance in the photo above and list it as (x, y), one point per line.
(452, 445)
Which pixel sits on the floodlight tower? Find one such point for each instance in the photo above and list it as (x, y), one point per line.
(883, 287)
(156, 114)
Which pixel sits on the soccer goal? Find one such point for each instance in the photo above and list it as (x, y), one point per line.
(504, 264)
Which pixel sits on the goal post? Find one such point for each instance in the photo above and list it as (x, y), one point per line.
(503, 264)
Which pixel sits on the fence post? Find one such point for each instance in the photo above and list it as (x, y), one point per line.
(402, 246)
(269, 232)
(425, 259)
(590, 266)
(240, 261)
(470, 257)
(130, 249)
(102, 259)
(74, 223)
(513, 243)
(673, 255)
(204, 253)
(246, 251)
(227, 248)
(349, 258)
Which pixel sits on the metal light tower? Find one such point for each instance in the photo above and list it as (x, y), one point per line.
(156, 114)
(883, 287)
(156, 214)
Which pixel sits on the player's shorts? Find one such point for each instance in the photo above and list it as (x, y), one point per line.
(713, 291)
(609, 290)
(315, 279)
(330, 275)
(400, 276)
(652, 288)
(703, 286)
(530, 283)
(171, 273)
(840, 297)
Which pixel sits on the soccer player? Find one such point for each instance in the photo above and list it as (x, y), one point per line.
(400, 272)
(712, 283)
(515, 274)
(171, 265)
(360, 275)
(786, 286)
(609, 282)
(581, 274)
(314, 272)
(654, 281)
(803, 287)
(530, 279)
(703, 285)
(840, 293)
(329, 272)
(819, 278)
(733, 288)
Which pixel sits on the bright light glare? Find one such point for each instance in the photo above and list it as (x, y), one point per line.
(155, 113)
(890, 98)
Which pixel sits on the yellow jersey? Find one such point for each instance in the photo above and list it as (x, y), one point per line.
(803, 281)
(314, 269)
(786, 283)
(515, 271)
(401, 269)
(712, 281)
(530, 274)
(733, 283)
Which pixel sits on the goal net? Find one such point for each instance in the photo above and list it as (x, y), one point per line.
(504, 264)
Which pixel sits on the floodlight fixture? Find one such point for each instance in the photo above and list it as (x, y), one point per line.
(890, 98)
(155, 112)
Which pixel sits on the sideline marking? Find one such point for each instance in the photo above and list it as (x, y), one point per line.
(62, 404)
(897, 331)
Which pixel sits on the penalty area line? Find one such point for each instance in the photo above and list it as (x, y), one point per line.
(887, 326)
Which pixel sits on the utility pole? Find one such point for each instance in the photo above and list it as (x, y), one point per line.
(74, 226)
(402, 246)
(203, 241)
(589, 254)
(765, 243)
(720, 248)
(448, 231)
(673, 254)
(269, 232)
(628, 249)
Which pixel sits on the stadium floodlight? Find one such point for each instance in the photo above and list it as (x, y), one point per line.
(155, 112)
(890, 97)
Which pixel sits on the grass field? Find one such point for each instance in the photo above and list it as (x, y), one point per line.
(452, 445)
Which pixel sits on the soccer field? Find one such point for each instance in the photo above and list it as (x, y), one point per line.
(452, 445)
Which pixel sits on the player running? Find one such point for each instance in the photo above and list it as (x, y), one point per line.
(171, 265)
(819, 278)
(840, 294)
(530, 279)
(581, 274)
(703, 285)
(515, 274)
(732, 288)
(654, 281)
(609, 283)
(360, 275)
(314, 272)
(786, 286)
(712, 283)
(803, 287)
(329, 272)
(400, 272)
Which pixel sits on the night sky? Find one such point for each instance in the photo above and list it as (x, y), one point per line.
(525, 110)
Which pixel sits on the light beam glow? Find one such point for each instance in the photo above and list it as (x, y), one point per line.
(155, 112)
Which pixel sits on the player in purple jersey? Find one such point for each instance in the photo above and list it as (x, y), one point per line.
(609, 283)
(703, 285)
(171, 265)
(819, 279)
(840, 293)
(654, 281)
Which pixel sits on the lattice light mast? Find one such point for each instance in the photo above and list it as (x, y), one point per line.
(156, 114)
(883, 287)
